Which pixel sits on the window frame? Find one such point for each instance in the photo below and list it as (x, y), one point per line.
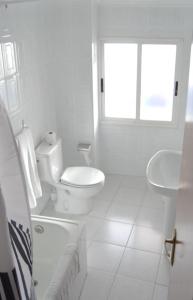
(137, 121)
(12, 110)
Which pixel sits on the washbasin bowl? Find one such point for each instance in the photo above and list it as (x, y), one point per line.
(163, 172)
(163, 176)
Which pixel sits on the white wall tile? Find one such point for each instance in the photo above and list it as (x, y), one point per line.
(28, 28)
(127, 149)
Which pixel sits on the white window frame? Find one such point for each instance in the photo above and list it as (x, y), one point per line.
(176, 99)
(12, 110)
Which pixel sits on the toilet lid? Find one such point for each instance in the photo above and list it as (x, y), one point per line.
(82, 176)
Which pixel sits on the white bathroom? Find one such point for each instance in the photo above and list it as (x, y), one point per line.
(93, 124)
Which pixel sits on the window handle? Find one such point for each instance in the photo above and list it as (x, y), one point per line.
(176, 89)
(102, 85)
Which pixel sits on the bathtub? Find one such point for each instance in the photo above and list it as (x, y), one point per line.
(52, 239)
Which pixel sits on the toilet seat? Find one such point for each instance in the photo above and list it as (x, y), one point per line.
(82, 177)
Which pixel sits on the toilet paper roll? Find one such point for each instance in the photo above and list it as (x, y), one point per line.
(50, 137)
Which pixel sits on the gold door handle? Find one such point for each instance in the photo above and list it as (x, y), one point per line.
(173, 242)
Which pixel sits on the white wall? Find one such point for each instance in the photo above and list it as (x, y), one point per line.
(95, 81)
(70, 32)
(27, 25)
(127, 149)
(58, 48)
(57, 42)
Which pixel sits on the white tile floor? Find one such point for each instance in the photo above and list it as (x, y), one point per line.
(125, 243)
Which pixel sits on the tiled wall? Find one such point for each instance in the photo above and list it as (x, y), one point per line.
(58, 51)
(27, 25)
(71, 72)
(56, 66)
(95, 81)
(127, 149)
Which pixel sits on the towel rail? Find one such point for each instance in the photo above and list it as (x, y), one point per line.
(23, 126)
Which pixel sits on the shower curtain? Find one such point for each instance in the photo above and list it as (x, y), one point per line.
(16, 272)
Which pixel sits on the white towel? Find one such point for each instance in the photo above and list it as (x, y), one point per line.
(16, 281)
(29, 164)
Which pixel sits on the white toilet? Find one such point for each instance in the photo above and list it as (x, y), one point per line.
(75, 186)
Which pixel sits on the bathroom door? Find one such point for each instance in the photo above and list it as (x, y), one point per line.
(181, 286)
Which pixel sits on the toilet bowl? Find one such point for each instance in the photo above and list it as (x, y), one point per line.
(75, 186)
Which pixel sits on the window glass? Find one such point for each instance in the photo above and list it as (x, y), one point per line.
(9, 77)
(189, 108)
(12, 94)
(120, 69)
(9, 58)
(157, 82)
(1, 65)
(3, 92)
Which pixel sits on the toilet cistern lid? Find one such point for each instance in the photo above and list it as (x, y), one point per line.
(45, 150)
(82, 176)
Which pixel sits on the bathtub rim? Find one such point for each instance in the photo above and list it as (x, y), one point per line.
(79, 224)
(79, 229)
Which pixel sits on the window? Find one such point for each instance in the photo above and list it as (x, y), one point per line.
(120, 69)
(9, 76)
(138, 81)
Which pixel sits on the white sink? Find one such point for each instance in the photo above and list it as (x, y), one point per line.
(163, 174)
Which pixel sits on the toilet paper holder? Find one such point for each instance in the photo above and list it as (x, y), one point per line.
(84, 147)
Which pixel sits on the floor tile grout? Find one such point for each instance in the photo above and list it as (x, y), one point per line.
(104, 218)
(156, 277)
(116, 273)
(125, 247)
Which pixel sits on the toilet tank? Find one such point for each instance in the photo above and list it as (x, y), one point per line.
(50, 161)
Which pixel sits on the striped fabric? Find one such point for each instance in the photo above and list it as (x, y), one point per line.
(21, 243)
(16, 280)
(9, 287)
